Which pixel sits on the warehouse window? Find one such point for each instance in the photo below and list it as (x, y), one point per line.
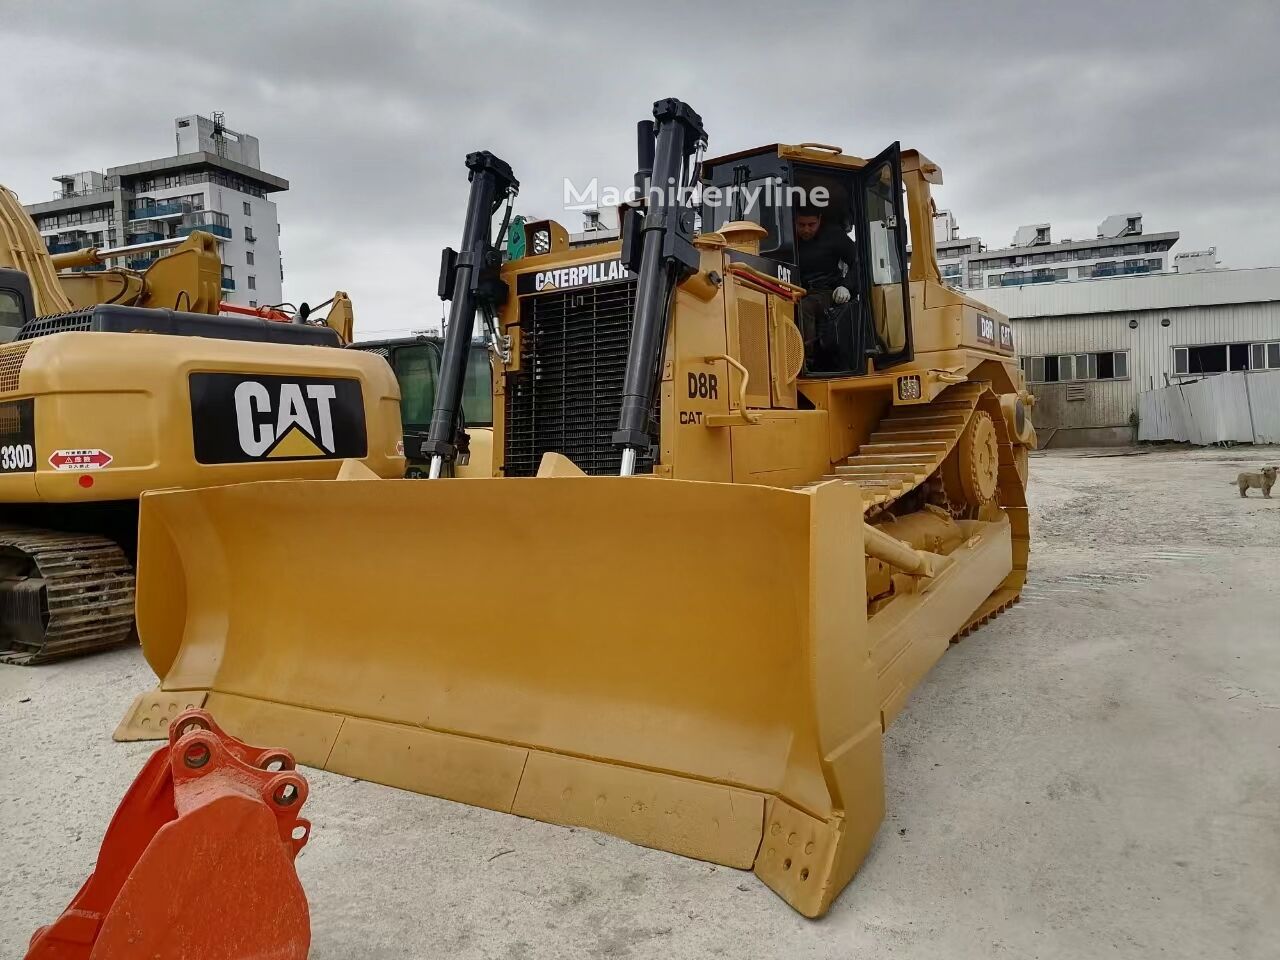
(1209, 358)
(1264, 356)
(1061, 368)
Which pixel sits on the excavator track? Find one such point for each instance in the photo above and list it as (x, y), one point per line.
(62, 594)
(909, 447)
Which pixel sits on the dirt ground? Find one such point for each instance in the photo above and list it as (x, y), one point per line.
(1095, 774)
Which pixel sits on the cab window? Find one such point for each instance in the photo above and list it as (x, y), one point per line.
(752, 200)
(477, 389)
(416, 368)
(11, 315)
(888, 296)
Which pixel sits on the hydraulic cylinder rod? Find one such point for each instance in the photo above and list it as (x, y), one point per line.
(660, 250)
(469, 279)
(895, 553)
(93, 256)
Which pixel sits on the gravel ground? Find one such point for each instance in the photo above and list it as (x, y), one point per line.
(1095, 774)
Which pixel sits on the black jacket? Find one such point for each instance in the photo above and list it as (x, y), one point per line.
(820, 259)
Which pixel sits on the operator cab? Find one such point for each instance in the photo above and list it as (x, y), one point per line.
(860, 200)
(16, 304)
(415, 361)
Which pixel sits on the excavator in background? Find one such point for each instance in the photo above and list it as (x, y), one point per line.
(415, 360)
(720, 554)
(115, 382)
(187, 277)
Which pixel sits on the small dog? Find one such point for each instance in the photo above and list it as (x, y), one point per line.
(1264, 480)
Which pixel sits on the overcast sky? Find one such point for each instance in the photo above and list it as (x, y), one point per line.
(1062, 112)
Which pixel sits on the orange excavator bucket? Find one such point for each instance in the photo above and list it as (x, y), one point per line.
(197, 861)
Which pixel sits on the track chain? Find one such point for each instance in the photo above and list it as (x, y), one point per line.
(77, 595)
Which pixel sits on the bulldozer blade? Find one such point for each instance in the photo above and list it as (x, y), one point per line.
(197, 861)
(685, 665)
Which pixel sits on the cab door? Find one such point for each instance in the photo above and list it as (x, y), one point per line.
(881, 232)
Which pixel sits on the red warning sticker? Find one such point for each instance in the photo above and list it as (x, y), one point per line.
(93, 459)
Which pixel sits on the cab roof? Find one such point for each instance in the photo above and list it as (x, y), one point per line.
(823, 154)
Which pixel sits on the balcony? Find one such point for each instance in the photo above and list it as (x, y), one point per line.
(146, 237)
(141, 263)
(70, 246)
(1018, 279)
(217, 229)
(164, 209)
(1121, 270)
(149, 225)
(228, 283)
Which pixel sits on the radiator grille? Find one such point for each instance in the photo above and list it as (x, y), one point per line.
(753, 347)
(566, 396)
(11, 357)
(58, 323)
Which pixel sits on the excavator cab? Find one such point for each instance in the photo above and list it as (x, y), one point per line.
(864, 202)
(415, 360)
(16, 304)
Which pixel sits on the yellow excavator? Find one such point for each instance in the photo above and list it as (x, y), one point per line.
(732, 523)
(185, 275)
(115, 382)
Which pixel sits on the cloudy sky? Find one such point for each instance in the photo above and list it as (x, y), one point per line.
(1061, 112)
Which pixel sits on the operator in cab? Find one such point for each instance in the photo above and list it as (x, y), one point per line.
(826, 256)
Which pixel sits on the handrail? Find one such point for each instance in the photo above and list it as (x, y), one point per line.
(742, 387)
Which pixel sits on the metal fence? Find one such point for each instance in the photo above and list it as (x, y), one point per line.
(1230, 407)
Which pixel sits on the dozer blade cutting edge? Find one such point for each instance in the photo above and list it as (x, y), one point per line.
(712, 688)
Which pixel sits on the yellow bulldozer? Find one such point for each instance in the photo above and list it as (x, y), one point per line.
(728, 530)
(114, 382)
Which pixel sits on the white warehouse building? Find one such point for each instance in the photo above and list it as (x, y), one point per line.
(214, 182)
(1089, 347)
